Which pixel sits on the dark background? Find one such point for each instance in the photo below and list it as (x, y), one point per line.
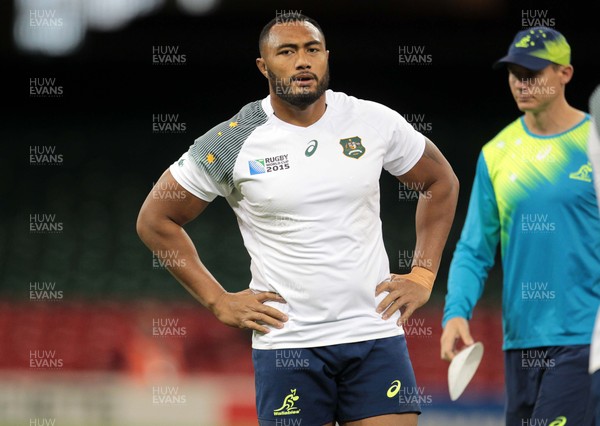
(103, 125)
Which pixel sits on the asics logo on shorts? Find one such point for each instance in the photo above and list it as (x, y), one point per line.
(559, 421)
(394, 389)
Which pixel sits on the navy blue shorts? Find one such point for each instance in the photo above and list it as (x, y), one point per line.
(548, 386)
(347, 382)
(596, 395)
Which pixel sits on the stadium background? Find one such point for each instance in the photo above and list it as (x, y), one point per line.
(84, 308)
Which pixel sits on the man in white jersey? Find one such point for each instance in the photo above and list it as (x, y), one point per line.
(301, 171)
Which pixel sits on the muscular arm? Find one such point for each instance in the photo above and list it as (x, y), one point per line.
(438, 184)
(435, 210)
(160, 226)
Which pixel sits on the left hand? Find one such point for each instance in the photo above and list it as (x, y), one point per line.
(404, 295)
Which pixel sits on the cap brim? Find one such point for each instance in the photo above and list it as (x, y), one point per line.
(526, 61)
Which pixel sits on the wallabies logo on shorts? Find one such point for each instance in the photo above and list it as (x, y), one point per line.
(288, 406)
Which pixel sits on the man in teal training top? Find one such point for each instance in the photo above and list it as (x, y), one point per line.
(533, 193)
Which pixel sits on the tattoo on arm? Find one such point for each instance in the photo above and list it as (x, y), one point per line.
(431, 152)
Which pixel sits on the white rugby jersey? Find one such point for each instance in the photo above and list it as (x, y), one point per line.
(307, 204)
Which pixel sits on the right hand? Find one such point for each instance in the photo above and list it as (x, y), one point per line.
(246, 309)
(455, 328)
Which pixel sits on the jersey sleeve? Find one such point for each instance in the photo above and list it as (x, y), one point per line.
(405, 148)
(206, 170)
(476, 249)
(196, 180)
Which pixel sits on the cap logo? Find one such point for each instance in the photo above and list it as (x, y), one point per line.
(524, 42)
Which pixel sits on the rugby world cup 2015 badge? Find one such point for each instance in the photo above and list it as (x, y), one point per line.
(353, 147)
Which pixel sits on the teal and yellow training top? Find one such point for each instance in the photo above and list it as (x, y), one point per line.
(535, 195)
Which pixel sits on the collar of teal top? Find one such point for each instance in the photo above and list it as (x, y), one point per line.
(533, 135)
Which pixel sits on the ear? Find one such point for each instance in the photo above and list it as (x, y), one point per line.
(566, 73)
(262, 66)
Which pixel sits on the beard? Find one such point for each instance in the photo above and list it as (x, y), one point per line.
(303, 97)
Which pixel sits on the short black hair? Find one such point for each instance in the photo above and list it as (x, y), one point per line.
(286, 17)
